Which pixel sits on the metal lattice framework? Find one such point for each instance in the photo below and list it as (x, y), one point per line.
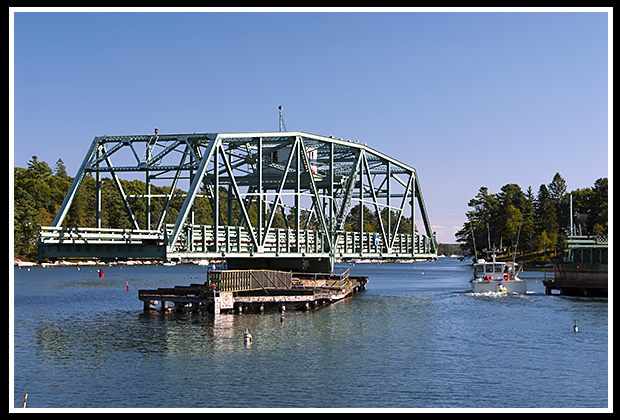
(312, 181)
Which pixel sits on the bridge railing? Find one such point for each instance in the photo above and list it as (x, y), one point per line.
(237, 239)
(49, 235)
(246, 280)
(200, 239)
(243, 280)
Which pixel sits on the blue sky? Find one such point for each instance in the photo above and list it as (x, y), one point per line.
(468, 99)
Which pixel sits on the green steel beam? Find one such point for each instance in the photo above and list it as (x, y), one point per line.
(314, 176)
(193, 190)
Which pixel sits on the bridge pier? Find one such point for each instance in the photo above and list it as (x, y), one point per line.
(257, 291)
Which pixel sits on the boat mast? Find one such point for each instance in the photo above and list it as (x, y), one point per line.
(473, 238)
(489, 244)
(514, 254)
(570, 219)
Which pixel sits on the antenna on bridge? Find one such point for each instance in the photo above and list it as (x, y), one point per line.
(281, 124)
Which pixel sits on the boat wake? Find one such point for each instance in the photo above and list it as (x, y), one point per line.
(498, 295)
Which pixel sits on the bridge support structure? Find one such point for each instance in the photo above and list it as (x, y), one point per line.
(278, 200)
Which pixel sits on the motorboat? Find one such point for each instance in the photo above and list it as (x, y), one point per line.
(497, 276)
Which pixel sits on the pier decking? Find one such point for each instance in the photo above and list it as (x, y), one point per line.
(240, 291)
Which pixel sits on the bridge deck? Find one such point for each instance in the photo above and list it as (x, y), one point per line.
(232, 242)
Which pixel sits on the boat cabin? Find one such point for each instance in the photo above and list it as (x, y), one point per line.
(494, 270)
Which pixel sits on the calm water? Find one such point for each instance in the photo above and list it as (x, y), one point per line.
(415, 338)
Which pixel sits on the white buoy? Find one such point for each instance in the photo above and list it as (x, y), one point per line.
(575, 327)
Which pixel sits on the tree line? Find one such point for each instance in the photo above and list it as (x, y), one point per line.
(538, 221)
(39, 191)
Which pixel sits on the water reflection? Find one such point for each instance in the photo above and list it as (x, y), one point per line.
(222, 332)
(193, 333)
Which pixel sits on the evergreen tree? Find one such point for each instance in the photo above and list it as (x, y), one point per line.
(512, 220)
(38, 170)
(598, 220)
(512, 203)
(352, 222)
(527, 240)
(557, 188)
(60, 169)
(545, 209)
(481, 220)
(511, 194)
(557, 192)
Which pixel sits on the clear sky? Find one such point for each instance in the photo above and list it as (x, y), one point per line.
(469, 99)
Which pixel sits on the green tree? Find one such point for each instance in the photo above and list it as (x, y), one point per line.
(557, 188)
(352, 222)
(512, 204)
(598, 220)
(545, 209)
(38, 170)
(557, 193)
(527, 240)
(482, 219)
(511, 195)
(546, 241)
(60, 170)
(512, 220)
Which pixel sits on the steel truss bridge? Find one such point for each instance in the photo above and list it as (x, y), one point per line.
(311, 181)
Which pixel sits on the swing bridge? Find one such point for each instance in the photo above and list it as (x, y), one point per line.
(312, 184)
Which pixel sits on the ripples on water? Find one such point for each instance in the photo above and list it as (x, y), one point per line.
(415, 338)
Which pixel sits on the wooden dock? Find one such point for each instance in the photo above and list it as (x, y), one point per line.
(572, 279)
(585, 271)
(238, 291)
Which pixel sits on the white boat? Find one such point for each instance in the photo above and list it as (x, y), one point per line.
(497, 276)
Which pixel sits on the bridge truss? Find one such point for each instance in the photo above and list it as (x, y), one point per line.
(311, 182)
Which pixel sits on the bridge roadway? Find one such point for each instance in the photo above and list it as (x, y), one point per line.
(314, 183)
(283, 249)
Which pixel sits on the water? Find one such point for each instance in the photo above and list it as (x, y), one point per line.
(415, 338)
